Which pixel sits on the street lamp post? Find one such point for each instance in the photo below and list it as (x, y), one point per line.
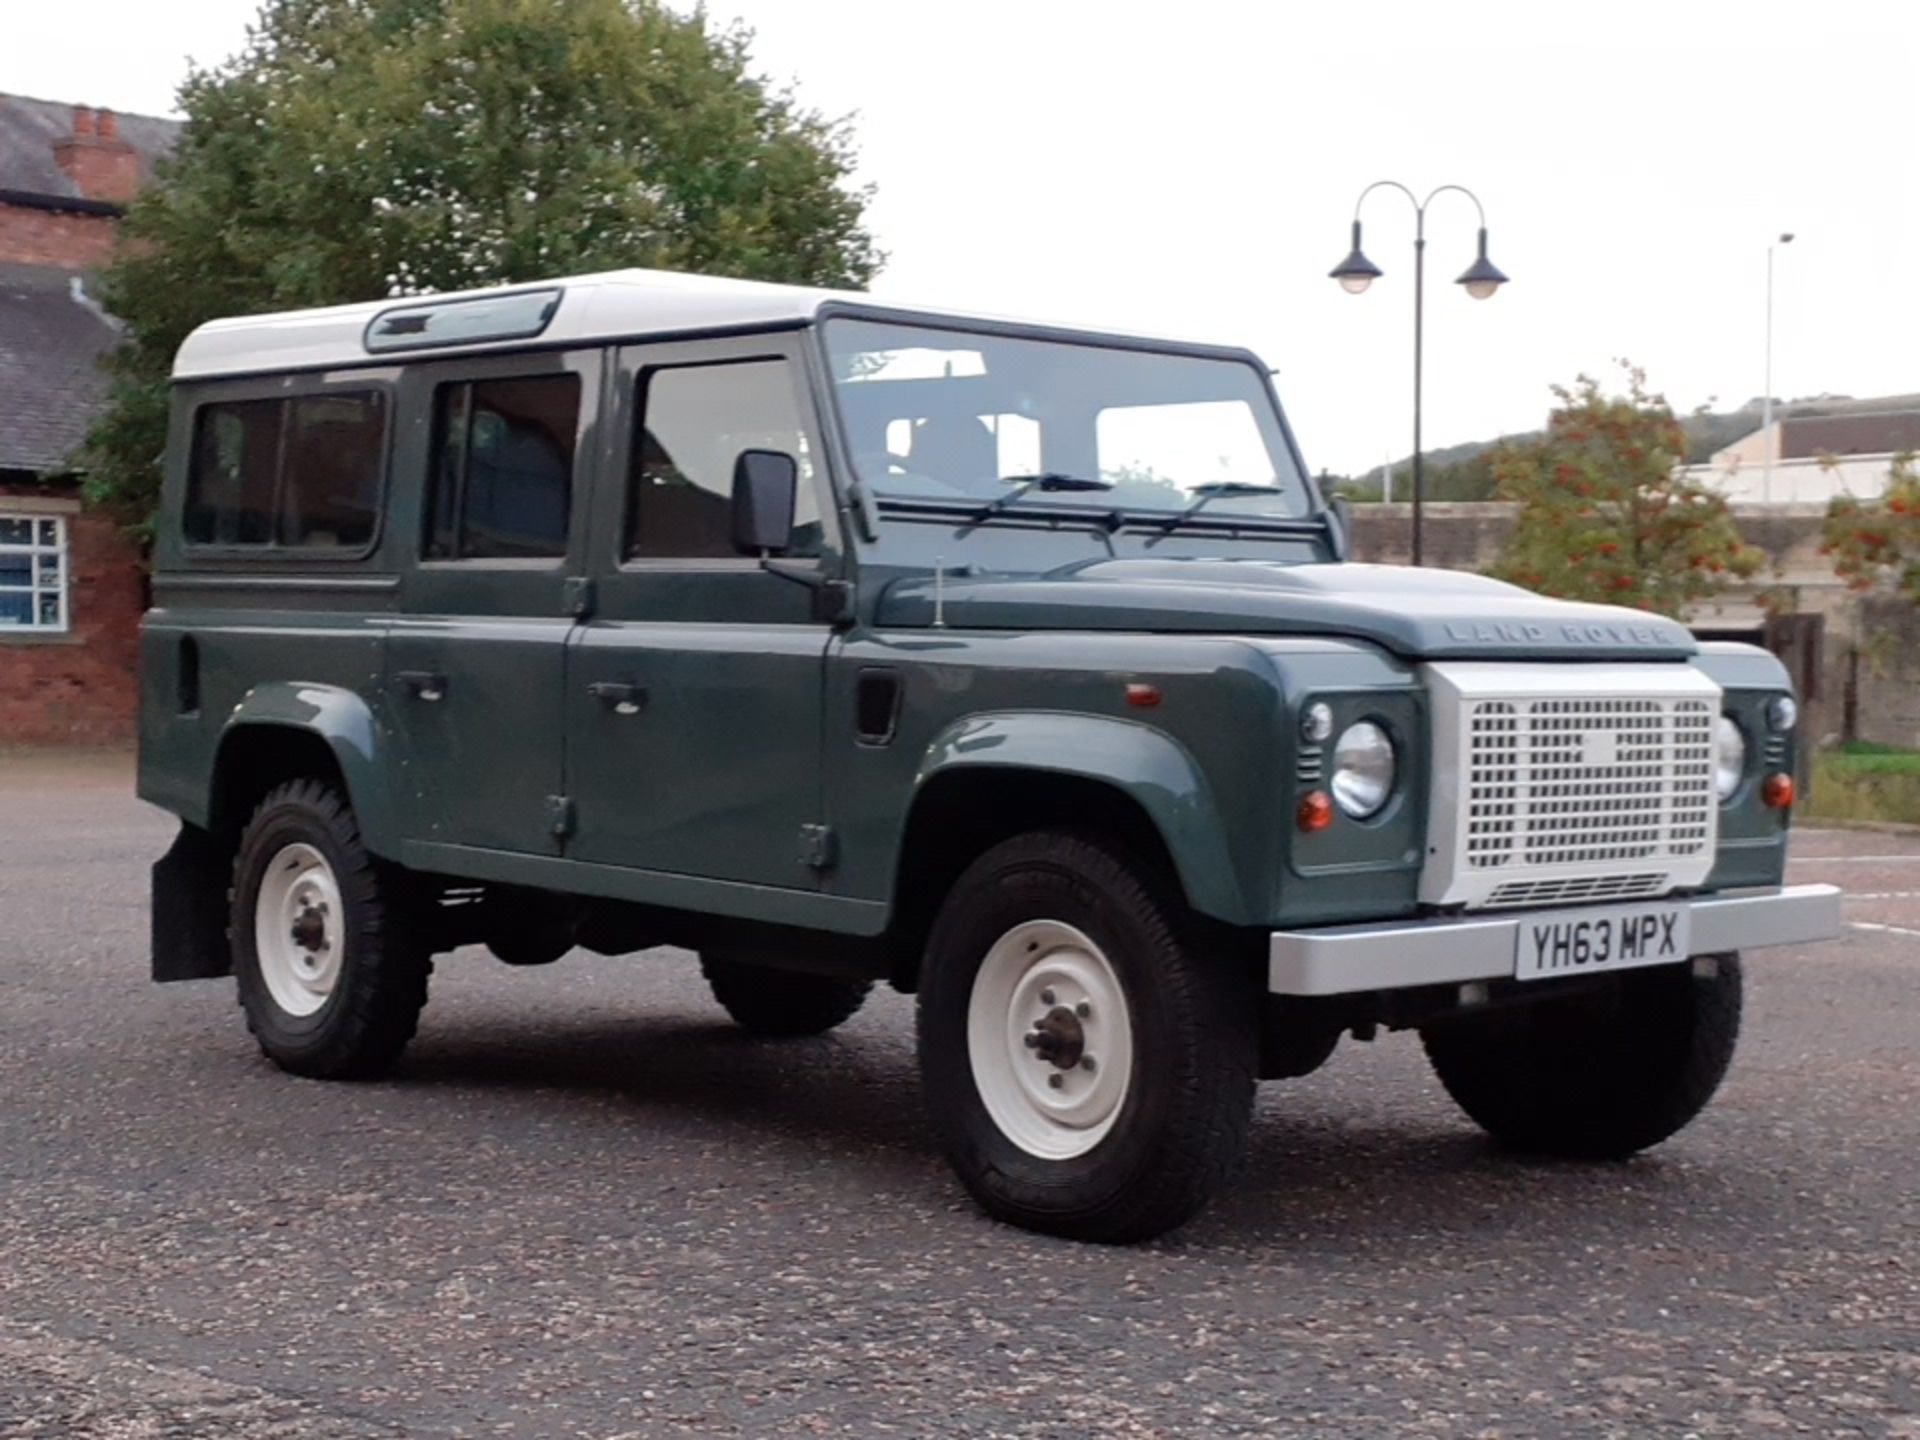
(1766, 400)
(1480, 279)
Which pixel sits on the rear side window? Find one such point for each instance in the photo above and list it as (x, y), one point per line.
(301, 473)
(502, 475)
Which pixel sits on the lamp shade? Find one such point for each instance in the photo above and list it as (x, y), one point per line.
(1482, 277)
(1356, 272)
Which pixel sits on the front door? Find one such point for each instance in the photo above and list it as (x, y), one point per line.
(693, 694)
(476, 666)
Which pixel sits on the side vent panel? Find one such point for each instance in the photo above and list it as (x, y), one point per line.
(187, 677)
(876, 706)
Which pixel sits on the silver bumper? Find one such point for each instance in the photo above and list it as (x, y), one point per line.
(1344, 959)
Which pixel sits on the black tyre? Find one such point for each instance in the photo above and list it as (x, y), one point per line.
(1088, 1062)
(1596, 1077)
(331, 975)
(781, 1004)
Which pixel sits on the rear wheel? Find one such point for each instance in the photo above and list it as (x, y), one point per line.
(1088, 1064)
(781, 1003)
(1598, 1077)
(331, 976)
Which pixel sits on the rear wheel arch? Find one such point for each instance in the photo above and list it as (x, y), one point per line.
(254, 758)
(286, 731)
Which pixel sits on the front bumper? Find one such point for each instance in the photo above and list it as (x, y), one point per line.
(1446, 950)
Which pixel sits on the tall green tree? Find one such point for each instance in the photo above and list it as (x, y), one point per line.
(358, 149)
(1604, 512)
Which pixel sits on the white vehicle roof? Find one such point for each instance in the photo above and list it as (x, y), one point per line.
(615, 305)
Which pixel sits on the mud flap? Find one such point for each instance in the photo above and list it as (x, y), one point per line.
(190, 909)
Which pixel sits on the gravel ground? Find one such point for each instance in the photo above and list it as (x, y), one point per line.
(587, 1207)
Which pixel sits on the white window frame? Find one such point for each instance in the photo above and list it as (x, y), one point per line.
(34, 549)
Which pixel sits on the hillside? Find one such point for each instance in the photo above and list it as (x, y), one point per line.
(1464, 472)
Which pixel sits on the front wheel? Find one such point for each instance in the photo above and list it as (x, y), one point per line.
(1088, 1064)
(1596, 1077)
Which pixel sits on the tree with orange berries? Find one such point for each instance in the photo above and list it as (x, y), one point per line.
(1875, 544)
(1605, 512)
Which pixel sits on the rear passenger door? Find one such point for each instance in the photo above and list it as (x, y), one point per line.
(693, 694)
(502, 449)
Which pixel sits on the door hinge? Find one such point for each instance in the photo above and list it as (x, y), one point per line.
(577, 596)
(833, 603)
(819, 847)
(560, 815)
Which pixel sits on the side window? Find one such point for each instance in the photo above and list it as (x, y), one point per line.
(236, 464)
(330, 482)
(502, 471)
(694, 422)
(301, 473)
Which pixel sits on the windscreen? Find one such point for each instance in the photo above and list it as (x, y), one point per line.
(945, 414)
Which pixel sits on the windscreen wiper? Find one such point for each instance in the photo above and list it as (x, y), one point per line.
(1207, 494)
(1048, 480)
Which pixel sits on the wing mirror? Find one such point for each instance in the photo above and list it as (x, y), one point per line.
(764, 485)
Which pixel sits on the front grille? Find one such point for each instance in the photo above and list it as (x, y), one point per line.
(1579, 781)
(1597, 779)
(1579, 890)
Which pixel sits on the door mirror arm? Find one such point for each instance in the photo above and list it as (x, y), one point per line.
(832, 596)
(1340, 527)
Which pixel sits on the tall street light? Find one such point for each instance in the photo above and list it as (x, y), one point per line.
(1768, 446)
(1480, 279)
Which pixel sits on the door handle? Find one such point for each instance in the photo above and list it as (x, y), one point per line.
(625, 699)
(426, 684)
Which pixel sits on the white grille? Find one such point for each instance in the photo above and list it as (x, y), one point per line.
(1598, 785)
(1569, 782)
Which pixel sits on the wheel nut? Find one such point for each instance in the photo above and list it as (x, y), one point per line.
(1087, 1064)
(1031, 1038)
(1046, 997)
(1083, 1009)
(1056, 1080)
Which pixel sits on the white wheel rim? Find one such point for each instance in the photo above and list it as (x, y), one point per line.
(1045, 979)
(299, 930)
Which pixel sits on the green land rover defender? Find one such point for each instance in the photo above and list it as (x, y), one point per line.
(1019, 668)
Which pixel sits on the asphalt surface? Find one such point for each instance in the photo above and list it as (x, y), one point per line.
(585, 1206)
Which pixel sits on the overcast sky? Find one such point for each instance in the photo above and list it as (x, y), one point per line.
(1191, 169)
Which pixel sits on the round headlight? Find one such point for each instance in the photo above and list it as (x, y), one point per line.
(1316, 723)
(1729, 757)
(1781, 713)
(1362, 779)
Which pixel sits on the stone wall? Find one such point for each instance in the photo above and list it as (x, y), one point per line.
(1885, 670)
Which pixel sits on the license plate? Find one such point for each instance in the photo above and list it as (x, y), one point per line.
(1581, 942)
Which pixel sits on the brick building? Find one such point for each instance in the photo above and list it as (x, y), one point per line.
(71, 587)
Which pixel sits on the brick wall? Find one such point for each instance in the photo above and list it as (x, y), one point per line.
(79, 688)
(64, 238)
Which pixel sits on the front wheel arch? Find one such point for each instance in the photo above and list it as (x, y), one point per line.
(961, 813)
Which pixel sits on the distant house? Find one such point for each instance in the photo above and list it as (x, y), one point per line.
(71, 590)
(1840, 448)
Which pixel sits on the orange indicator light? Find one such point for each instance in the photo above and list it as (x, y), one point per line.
(1315, 812)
